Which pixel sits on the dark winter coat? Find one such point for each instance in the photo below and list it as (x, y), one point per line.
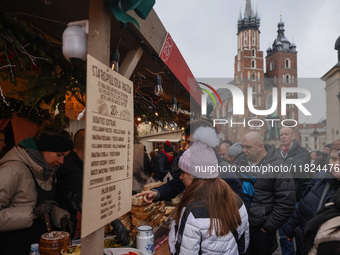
(297, 156)
(309, 203)
(175, 186)
(147, 165)
(319, 230)
(161, 166)
(70, 185)
(274, 198)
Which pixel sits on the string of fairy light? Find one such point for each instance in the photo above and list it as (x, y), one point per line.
(29, 57)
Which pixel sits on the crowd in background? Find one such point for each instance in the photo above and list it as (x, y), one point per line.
(278, 204)
(227, 212)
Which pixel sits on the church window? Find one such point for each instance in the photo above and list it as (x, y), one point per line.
(254, 88)
(253, 64)
(269, 101)
(271, 66)
(254, 101)
(253, 76)
(253, 52)
(287, 63)
(245, 38)
(287, 79)
(253, 38)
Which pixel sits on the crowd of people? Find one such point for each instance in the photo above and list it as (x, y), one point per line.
(269, 203)
(220, 212)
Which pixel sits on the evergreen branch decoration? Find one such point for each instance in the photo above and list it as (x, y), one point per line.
(17, 107)
(26, 54)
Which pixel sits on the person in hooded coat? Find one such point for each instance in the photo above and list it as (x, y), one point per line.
(27, 189)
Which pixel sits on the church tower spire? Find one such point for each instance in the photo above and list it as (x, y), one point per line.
(248, 12)
(251, 20)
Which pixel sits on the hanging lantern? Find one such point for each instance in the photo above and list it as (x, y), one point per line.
(75, 40)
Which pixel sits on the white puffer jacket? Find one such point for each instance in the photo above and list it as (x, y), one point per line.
(196, 236)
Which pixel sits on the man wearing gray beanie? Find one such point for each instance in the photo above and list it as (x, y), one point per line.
(234, 151)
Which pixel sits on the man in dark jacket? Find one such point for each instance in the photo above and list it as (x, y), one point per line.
(270, 198)
(161, 164)
(69, 189)
(293, 155)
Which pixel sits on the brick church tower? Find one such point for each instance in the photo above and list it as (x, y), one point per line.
(281, 71)
(281, 66)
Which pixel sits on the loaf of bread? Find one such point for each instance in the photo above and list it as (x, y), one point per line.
(152, 185)
(169, 210)
(142, 209)
(145, 215)
(137, 200)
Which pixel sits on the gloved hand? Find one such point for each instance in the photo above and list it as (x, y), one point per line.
(44, 207)
(121, 231)
(66, 225)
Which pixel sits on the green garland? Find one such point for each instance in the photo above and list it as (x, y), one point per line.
(29, 54)
(26, 53)
(17, 107)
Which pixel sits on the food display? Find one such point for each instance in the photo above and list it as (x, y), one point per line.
(53, 242)
(72, 250)
(122, 251)
(153, 214)
(142, 213)
(55, 235)
(111, 243)
(176, 200)
(152, 185)
(169, 210)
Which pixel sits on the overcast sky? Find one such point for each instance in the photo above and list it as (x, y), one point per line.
(205, 33)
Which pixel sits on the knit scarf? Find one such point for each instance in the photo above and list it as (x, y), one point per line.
(39, 159)
(170, 158)
(30, 146)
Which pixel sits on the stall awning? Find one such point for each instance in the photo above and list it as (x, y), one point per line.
(173, 59)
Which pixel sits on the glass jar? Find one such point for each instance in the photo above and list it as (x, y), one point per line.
(145, 240)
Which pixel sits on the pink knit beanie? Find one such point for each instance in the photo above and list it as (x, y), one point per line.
(200, 159)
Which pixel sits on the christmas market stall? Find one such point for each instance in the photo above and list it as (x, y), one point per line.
(106, 66)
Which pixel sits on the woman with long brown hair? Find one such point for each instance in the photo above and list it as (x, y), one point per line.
(211, 218)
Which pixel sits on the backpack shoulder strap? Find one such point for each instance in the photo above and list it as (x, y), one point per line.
(323, 195)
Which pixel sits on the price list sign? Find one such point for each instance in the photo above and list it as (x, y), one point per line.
(107, 184)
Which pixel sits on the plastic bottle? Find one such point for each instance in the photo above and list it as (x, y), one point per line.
(34, 249)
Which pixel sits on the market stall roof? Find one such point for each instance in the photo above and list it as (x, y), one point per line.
(53, 16)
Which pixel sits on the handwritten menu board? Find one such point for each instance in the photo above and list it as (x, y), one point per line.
(107, 184)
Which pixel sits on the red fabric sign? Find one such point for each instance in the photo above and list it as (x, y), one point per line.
(173, 58)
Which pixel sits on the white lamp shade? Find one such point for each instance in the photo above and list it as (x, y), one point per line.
(74, 43)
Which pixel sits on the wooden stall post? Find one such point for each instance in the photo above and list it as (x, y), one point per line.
(98, 47)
